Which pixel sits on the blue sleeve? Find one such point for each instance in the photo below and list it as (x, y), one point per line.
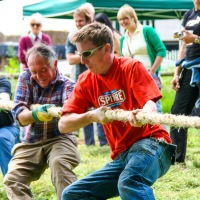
(69, 48)
(5, 86)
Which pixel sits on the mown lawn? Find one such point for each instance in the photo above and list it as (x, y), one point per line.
(180, 183)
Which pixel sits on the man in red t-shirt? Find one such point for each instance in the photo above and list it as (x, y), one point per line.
(141, 153)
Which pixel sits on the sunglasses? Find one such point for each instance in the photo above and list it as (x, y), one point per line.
(88, 53)
(33, 24)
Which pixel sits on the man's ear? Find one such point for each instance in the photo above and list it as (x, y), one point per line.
(55, 64)
(107, 48)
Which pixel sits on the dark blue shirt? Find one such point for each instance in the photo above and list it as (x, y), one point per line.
(71, 48)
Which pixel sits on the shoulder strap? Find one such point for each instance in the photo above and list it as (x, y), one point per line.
(129, 49)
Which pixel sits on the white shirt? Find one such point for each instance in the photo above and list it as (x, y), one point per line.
(33, 36)
(137, 46)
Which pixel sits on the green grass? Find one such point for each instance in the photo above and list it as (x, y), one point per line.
(168, 94)
(180, 183)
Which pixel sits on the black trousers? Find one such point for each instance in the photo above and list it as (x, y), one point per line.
(196, 110)
(183, 104)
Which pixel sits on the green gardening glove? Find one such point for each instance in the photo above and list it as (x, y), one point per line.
(40, 114)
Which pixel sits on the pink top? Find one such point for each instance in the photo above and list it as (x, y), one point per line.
(26, 43)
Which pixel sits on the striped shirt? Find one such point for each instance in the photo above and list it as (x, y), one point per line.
(29, 92)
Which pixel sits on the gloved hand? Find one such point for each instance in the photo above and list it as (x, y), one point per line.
(40, 114)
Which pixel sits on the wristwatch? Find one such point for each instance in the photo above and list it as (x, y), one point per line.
(197, 40)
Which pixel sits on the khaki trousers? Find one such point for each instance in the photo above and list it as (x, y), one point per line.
(30, 160)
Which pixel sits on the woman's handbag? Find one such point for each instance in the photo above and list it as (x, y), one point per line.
(157, 80)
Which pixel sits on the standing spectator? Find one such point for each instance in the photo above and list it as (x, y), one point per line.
(103, 18)
(9, 132)
(35, 35)
(82, 17)
(141, 153)
(88, 7)
(142, 43)
(189, 37)
(42, 144)
(186, 95)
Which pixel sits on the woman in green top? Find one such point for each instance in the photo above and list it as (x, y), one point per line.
(142, 43)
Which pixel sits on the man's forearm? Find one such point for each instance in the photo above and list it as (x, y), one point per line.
(25, 117)
(150, 106)
(72, 121)
(73, 59)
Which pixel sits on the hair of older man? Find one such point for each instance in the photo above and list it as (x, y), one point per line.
(44, 51)
(95, 32)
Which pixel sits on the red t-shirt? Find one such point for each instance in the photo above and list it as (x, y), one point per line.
(127, 86)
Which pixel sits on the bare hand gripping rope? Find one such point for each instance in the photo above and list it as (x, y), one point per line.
(156, 118)
(121, 115)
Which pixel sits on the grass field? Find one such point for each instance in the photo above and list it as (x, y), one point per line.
(180, 183)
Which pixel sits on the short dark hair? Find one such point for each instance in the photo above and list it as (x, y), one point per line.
(102, 18)
(95, 32)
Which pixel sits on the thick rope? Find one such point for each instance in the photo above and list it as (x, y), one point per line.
(121, 115)
(53, 111)
(155, 118)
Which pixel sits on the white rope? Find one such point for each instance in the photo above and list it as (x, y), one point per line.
(121, 115)
(53, 111)
(155, 118)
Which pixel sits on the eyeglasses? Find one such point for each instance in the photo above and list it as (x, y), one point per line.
(33, 24)
(123, 19)
(88, 53)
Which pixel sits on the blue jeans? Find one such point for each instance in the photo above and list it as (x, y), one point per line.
(9, 136)
(129, 176)
(158, 103)
(159, 106)
(89, 135)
